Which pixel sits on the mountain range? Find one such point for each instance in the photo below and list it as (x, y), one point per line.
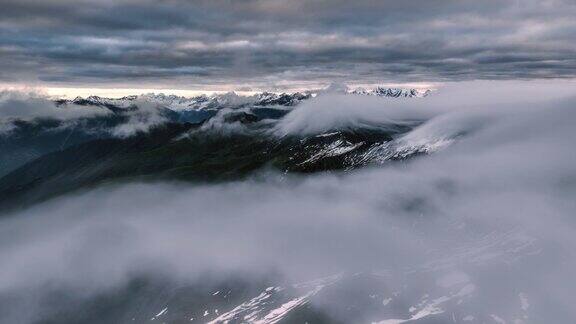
(234, 100)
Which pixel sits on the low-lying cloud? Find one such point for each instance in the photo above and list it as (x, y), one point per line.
(509, 176)
(33, 107)
(30, 105)
(141, 120)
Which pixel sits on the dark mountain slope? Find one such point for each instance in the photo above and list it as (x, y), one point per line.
(185, 153)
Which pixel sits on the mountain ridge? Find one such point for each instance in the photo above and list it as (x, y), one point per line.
(234, 100)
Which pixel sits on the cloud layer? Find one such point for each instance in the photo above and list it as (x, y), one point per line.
(503, 192)
(30, 105)
(278, 42)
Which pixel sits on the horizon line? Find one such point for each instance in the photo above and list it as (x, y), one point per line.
(119, 92)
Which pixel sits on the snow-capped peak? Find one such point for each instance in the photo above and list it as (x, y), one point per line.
(234, 100)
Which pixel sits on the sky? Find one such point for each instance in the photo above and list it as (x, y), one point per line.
(215, 45)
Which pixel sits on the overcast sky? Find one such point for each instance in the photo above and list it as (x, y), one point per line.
(199, 44)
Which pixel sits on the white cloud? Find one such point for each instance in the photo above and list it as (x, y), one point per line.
(30, 105)
(502, 193)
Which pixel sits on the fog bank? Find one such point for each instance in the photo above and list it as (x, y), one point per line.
(502, 191)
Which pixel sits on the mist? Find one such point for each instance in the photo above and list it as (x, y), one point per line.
(32, 104)
(498, 195)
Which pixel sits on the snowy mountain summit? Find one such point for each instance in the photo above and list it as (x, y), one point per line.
(234, 100)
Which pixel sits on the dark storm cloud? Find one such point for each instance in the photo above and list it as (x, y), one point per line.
(263, 42)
